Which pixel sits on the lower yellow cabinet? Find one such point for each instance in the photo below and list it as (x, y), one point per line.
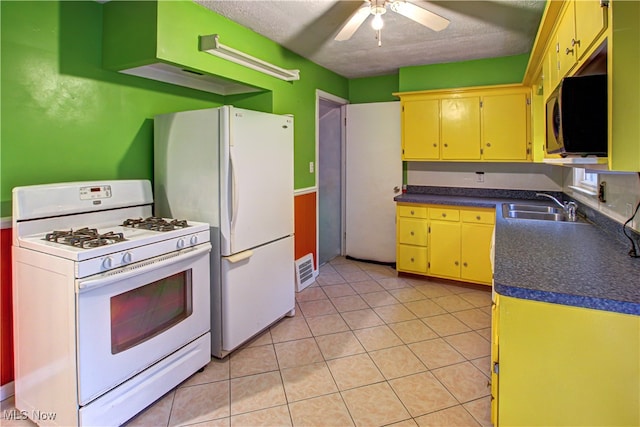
(445, 241)
(558, 365)
(411, 231)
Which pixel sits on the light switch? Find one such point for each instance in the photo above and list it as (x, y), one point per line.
(311, 168)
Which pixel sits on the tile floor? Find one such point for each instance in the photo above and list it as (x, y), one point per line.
(366, 348)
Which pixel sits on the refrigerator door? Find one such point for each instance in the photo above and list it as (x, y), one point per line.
(256, 179)
(257, 289)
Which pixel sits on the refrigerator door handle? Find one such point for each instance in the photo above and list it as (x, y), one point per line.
(235, 199)
(239, 256)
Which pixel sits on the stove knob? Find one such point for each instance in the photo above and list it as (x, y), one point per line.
(107, 263)
(180, 244)
(127, 258)
(194, 240)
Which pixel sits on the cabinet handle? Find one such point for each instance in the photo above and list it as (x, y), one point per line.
(478, 217)
(569, 51)
(575, 42)
(464, 264)
(444, 215)
(411, 212)
(457, 263)
(411, 259)
(488, 144)
(412, 233)
(446, 145)
(435, 145)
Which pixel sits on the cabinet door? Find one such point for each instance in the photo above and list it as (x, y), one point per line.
(551, 78)
(568, 49)
(412, 231)
(504, 127)
(412, 258)
(495, 321)
(444, 243)
(476, 252)
(421, 130)
(460, 120)
(591, 20)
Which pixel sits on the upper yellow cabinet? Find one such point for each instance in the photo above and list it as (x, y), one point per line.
(460, 121)
(421, 124)
(579, 25)
(599, 36)
(474, 124)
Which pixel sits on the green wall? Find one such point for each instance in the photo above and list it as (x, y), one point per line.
(64, 117)
(373, 89)
(480, 72)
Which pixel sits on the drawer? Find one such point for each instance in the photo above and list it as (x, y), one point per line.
(412, 231)
(444, 214)
(411, 258)
(479, 217)
(412, 211)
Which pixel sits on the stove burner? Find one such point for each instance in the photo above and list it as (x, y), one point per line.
(155, 224)
(84, 238)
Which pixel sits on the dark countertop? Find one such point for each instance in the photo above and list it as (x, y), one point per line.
(574, 264)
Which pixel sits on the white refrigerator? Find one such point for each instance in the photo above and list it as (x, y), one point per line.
(233, 168)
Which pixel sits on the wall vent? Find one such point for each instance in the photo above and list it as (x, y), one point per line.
(304, 272)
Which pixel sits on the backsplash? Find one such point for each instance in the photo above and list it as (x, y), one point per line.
(511, 176)
(522, 180)
(622, 195)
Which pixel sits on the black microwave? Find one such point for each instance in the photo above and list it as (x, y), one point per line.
(577, 120)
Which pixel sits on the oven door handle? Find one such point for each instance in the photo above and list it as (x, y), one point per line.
(142, 267)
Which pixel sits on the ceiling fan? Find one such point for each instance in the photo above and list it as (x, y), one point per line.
(377, 8)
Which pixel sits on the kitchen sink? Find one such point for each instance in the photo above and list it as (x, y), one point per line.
(533, 208)
(526, 211)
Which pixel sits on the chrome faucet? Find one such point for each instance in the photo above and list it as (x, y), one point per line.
(569, 208)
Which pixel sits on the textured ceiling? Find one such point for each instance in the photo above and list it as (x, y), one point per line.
(478, 29)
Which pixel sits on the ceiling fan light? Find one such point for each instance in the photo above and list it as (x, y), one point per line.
(377, 22)
(397, 5)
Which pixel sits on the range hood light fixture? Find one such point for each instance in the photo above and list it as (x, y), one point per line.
(211, 44)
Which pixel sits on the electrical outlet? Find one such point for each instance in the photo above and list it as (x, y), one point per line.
(311, 167)
(479, 176)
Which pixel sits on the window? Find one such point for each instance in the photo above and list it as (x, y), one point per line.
(585, 181)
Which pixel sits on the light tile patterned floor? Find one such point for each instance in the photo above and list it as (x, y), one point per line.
(366, 348)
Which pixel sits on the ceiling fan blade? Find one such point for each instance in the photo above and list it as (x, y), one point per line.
(354, 22)
(420, 15)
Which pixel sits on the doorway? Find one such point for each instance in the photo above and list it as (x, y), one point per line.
(330, 163)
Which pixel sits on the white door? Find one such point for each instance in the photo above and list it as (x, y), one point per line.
(257, 183)
(373, 178)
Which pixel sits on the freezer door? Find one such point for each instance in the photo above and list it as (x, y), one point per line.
(257, 289)
(256, 179)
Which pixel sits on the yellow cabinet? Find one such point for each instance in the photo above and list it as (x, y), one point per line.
(559, 365)
(505, 127)
(474, 124)
(460, 120)
(460, 243)
(591, 21)
(411, 231)
(495, 333)
(566, 40)
(475, 252)
(444, 242)
(421, 129)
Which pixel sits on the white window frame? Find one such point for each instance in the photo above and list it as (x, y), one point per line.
(585, 181)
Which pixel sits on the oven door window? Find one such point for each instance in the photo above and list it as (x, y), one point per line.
(144, 312)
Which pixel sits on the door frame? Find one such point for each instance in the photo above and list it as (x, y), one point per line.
(320, 94)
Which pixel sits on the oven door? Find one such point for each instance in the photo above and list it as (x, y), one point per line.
(130, 318)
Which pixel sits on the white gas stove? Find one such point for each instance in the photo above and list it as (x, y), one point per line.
(131, 298)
